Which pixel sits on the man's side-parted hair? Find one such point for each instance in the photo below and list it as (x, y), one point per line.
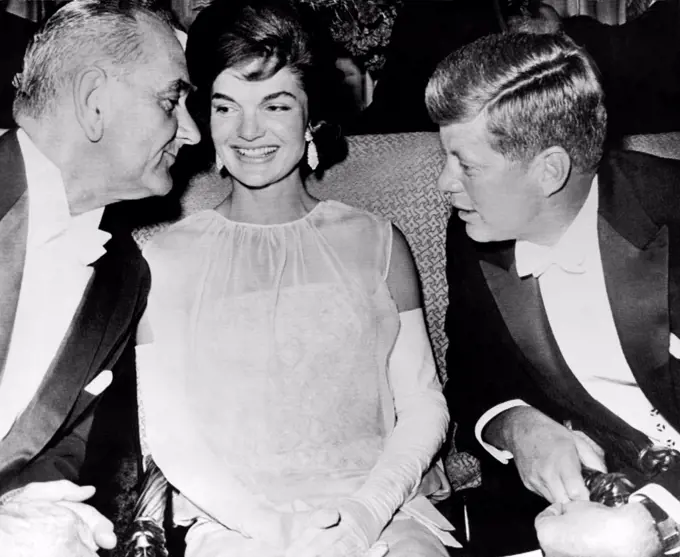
(535, 91)
(82, 32)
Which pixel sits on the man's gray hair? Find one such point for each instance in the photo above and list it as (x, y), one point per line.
(106, 33)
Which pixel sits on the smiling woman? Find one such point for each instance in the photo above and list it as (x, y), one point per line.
(258, 127)
(310, 59)
(288, 382)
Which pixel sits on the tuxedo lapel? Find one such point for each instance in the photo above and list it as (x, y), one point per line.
(636, 261)
(637, 287)
(519, 302)
(13, 236)
(97, 335)
(668, 394)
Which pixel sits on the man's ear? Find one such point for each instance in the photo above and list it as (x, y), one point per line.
(88, 98)
(551, 168)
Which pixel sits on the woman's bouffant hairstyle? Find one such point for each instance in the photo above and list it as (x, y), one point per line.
(535, 91)
(234, 33)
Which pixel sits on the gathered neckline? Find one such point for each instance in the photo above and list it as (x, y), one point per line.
(257, 225)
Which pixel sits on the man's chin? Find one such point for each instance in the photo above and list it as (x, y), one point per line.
(159, 187)
(482, 234)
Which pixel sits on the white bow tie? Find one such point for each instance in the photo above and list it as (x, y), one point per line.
(532, 259)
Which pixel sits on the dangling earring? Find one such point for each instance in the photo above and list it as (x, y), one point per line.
(218, 162)
(312, 153)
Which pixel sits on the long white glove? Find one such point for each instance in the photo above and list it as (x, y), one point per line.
(421, 423)
(347, 538)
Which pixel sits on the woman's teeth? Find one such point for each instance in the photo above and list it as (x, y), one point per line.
(255, 152)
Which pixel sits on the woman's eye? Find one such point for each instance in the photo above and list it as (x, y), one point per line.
(222, 109)
(278, 107)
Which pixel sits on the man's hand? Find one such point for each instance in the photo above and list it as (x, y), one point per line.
(51, 519)
(585, 529)
(548, 456)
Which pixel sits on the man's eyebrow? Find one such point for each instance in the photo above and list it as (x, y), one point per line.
(178, 87)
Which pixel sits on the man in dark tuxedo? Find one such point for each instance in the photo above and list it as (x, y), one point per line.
(101, 112)
(564, 285)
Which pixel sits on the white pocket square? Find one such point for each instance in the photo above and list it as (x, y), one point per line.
(99, 383)
(674, 346)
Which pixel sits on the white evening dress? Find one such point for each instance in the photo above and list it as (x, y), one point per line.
(265, 388)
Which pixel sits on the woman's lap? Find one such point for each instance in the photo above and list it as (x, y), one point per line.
(405, 537)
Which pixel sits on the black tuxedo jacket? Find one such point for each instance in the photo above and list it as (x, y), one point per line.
(501, 345)
(50, 438)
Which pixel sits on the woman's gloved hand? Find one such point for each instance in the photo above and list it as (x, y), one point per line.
(353, 535)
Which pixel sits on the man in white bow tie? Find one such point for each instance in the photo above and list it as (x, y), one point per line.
(564, 292)
(101, 111)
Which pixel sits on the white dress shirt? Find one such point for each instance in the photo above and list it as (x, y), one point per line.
(58, 251)
(572, 285)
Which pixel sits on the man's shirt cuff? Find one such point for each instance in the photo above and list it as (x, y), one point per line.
(499, 454)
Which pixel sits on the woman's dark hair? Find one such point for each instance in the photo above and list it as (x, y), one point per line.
(233, 33)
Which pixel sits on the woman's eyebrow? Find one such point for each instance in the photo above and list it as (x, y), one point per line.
(271, 96)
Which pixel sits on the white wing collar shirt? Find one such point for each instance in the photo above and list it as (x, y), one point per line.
(572, 285)
(60, 247)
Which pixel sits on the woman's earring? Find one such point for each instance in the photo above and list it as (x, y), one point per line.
(218, 162)
(312, 153)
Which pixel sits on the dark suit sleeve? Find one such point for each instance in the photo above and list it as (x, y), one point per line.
(61, 461)
(484, 366)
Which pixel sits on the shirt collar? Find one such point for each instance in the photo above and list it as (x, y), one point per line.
(571, 250)
(49, 214)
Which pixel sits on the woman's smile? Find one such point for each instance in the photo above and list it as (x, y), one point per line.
(255, 154)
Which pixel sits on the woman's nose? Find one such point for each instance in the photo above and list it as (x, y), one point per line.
(251, 127)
